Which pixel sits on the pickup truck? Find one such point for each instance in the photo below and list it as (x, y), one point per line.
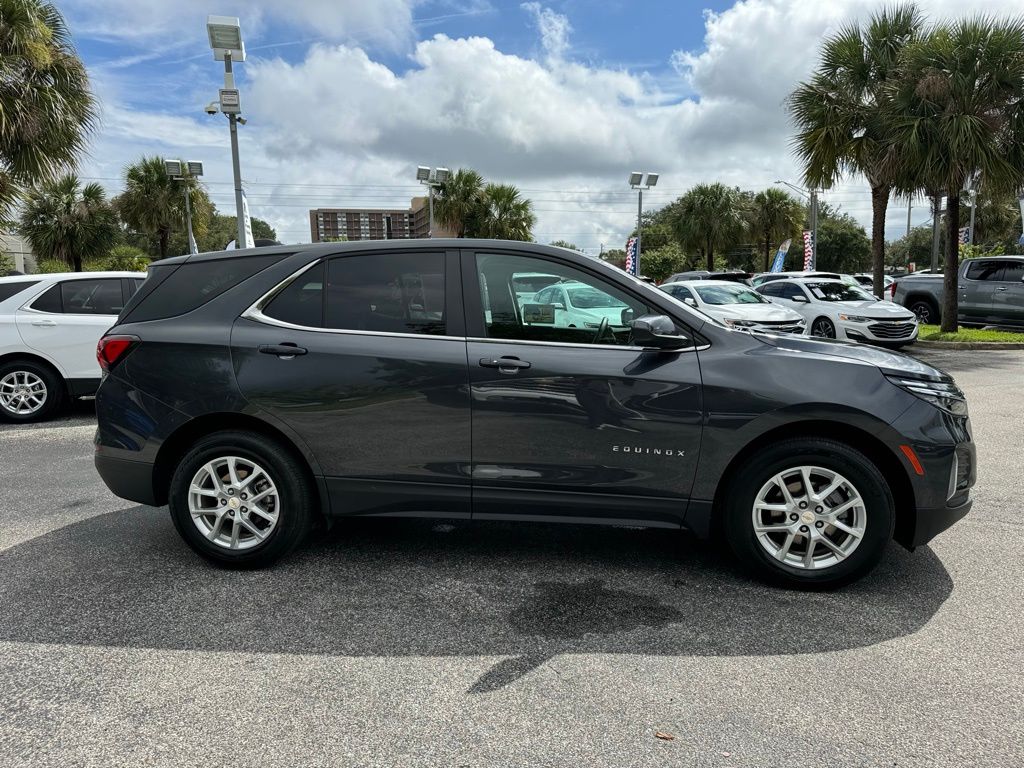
(990, 291)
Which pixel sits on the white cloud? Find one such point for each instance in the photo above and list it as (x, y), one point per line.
(341, 119)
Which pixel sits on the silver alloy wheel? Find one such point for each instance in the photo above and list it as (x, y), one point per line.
(22, 393)
(809, 517)
(823, 328)
(234, 502)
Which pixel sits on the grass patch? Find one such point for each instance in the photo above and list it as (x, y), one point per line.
(932, 333)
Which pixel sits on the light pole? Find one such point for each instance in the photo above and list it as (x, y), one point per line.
(812, 197)
(180, 172)
(432, 178)
(225, 35)
(637, 182)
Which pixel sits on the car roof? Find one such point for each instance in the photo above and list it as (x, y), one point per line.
(706, 283)
(67, 276)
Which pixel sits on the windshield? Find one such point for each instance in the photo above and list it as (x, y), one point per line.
(525, 283)
(728, 294)
(839, 292)
(586, 297)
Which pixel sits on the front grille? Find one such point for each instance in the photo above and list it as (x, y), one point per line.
(964, 468)
(892, 330)
(783, 327)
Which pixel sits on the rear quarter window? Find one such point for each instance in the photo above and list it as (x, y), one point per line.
(7, 290)
(177, 289)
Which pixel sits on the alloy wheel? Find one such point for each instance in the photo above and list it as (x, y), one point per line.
(923, 312)
(823, 328)
(234, 502)
(809, 517)
(22, 393)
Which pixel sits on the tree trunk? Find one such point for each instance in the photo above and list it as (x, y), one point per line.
(767, 251)
(77, 260)
(879, 204)
(711, 257)
(165, 235)
(950, 278)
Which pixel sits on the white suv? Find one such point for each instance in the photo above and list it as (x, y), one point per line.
(49, 326)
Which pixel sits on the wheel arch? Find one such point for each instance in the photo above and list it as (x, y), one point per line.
(177, 444)
(926, 298)
(887, 462)
(33, 357)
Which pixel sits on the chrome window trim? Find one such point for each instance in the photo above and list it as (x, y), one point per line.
(255, 313)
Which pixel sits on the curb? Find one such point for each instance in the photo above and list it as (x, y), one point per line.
(966, 345)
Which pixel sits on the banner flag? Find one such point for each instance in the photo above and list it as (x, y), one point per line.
(780, 257)
(249, 241)
(1021, 201)
(808, 250)
(631, 260)
(965, 235)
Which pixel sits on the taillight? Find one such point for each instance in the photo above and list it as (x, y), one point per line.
(112, 349)
(892, 290)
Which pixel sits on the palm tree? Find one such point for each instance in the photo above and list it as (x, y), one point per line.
(841, 114)
(959, 110)
(47, 111)
(65, 221)
(458, 201)
(154, 203)
(774, 216)
(505, 214)
(710, 217)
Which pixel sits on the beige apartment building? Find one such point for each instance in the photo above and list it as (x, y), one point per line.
(329, 224)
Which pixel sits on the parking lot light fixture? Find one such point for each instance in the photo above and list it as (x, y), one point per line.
(225, 34)
(432, 178)
(637, 182)
(179, 171)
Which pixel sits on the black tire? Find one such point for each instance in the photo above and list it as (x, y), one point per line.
(926, 310)
(51, 380)
(823, 328)
(878, 510)
(296, 504)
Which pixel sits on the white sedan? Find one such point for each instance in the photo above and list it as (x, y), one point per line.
(736, 305)
(835, 310)
(49, 327)
(572, 304)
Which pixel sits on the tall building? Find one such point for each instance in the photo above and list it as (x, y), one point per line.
(328, 224)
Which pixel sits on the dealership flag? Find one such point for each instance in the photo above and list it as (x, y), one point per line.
(808, 250)
(780, 257)
(1021, 201)
(631, 260)
(249, 242)
(965, 235)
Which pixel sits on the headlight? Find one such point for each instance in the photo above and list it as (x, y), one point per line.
(944, 395)
(855, 319)
(739, 323)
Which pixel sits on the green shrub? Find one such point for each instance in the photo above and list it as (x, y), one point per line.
(126, 258)
(6, 264)
(49, 266)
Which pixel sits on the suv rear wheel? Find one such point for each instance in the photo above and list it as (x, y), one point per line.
(239, 499)
(29, 391)
(809, 513)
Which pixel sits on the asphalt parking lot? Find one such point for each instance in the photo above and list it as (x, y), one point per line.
(422, 644)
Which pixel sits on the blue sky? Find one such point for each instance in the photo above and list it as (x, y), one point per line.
(563, 98)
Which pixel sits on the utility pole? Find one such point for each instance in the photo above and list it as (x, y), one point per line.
(236, 166)
(640, 182)
(639, 216)
(910, 205)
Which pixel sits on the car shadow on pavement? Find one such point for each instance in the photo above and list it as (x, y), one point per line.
(411, 587)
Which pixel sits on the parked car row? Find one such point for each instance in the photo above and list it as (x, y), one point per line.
(814, 306)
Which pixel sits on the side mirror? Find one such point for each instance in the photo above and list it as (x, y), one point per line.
(657, 331)
(801, 299)
(691, 302)
(558, 305)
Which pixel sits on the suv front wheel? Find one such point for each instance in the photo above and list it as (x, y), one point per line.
(239, 499)
(809, 513)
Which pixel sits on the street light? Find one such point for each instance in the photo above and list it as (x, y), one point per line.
(636, 181)
(812, 196)
(225, 34)
(181, 172)
(432, 178)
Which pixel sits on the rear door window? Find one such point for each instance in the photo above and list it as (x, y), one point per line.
(387, 293)
(92, 297)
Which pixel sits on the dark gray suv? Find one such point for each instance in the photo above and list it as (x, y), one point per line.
(257, 392)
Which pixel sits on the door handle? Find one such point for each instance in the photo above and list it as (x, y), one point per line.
(1001, 288)
(285, 351)
(509, 365)
(44, 323)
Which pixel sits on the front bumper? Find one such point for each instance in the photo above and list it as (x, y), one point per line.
(880, 332)
(931, 522)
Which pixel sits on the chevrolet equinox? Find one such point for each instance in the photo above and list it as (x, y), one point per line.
(257, 392)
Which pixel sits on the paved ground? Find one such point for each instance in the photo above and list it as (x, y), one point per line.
(415, 644)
